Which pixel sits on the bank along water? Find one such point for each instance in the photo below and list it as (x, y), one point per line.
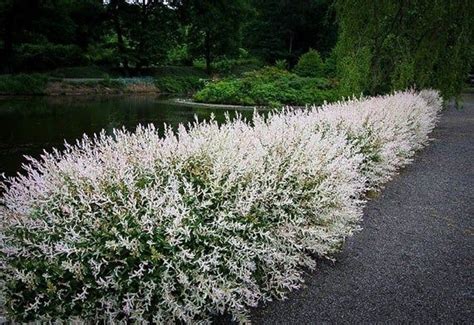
(30, 124)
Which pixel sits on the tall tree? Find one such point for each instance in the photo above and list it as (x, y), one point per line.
(284, 29)
(153, 31)
(390, 44)
(117, 10)
(215, 26)
(36, 33)
(144, 30)
(7, 27)
(88, 17)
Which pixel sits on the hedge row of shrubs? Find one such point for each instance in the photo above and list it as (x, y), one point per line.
(136, 227)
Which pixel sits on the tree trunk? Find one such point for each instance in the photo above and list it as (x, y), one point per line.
(142, 47)
(207, 46)
(120, 42)
(290, 50)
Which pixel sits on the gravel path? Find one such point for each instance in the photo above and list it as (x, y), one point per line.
(413, 260)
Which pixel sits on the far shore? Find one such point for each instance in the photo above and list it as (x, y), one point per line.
(190, 102)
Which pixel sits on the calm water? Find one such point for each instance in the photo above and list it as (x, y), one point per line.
(29, 125)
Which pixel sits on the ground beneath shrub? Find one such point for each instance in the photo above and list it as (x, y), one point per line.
(413, 260)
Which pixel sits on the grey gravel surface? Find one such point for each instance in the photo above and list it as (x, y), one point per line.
(413, 260)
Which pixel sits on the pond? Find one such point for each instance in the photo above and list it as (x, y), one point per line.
(30, 124)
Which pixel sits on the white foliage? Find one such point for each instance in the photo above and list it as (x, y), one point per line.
(138, 227)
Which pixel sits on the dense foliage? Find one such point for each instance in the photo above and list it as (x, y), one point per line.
(134, 227)
(214, 27)
(178, 85)
(179, 80)
(140, 34)
(43, 35)
(23, 84)
(310, 64)
(371, 47)
(268, 86)
(40, 35)
(391, 44)
(285, 29)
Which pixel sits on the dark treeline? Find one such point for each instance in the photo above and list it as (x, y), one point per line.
(44, 34)
(367, 46)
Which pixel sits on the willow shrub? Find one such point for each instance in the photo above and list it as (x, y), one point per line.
(209, 219)
(389, 45)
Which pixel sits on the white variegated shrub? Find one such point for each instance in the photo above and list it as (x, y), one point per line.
(135, 227)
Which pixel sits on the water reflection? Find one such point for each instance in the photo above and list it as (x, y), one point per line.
(29, 125)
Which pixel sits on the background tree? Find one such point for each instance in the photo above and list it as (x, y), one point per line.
(152, 28)
(143, 30)
(88, 18)
(285, 29)
(215, 27)
(41, 35)
(366, 46)
(7, 27)
(388, 44)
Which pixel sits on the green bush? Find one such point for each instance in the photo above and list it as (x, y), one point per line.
(227, 92)
(281, 64)
(23, 84)
(178, 84)
(179, 55)
(224, 65)
(310, 64)
(268, 86)
(354, 72)
(49, 56)
(103, 54)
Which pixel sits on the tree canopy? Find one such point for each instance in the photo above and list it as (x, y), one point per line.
(386, 45)
(368, 46)
(214, 26)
